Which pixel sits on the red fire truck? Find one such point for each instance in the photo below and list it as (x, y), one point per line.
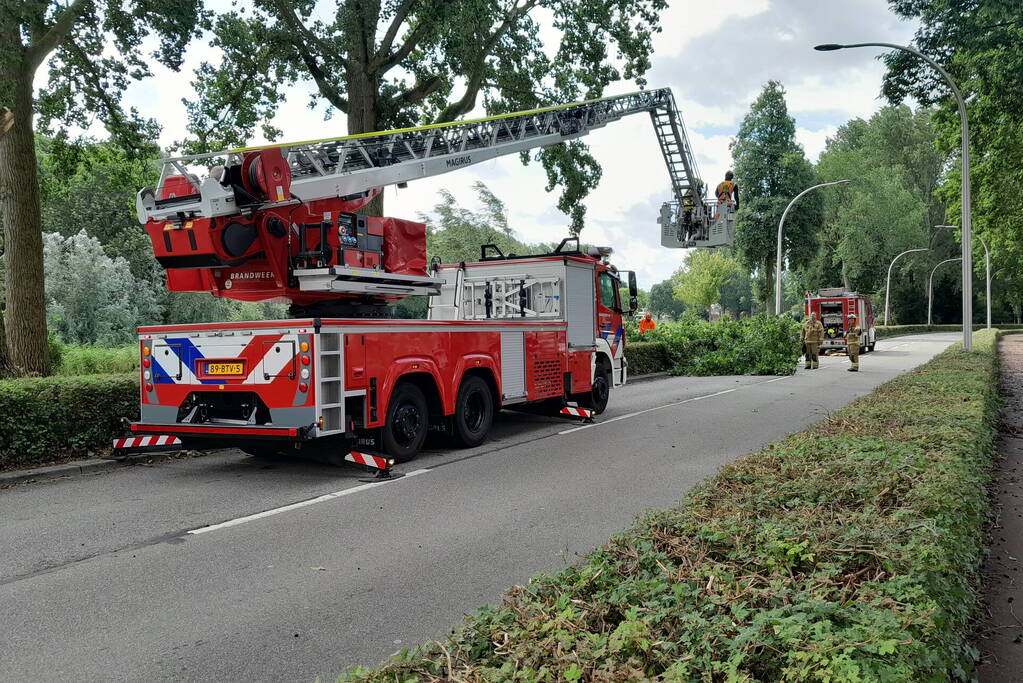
(279, 223)
(833, 307)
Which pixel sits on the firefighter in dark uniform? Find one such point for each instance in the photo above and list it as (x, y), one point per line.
(811, 334)
(852, 343)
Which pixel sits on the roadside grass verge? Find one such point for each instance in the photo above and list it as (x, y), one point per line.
(53, 419)
(898, 330)
(849, 551)
(94, 360)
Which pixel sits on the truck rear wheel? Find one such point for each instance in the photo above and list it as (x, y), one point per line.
(406, 423)
(474, 412)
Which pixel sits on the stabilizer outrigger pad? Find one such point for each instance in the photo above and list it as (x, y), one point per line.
(584, 414)
(376, 464)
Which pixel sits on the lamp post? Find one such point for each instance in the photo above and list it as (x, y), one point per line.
(965, 143)
(781, 226)
(888, 283)
(930, 289)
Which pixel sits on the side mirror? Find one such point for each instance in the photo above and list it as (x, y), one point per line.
(633, 293)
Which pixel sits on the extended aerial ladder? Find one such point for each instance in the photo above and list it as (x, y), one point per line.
(226, 232)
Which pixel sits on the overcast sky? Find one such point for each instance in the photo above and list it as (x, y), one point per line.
(715, 60)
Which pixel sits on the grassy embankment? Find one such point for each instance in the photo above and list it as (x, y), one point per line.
(847, 552)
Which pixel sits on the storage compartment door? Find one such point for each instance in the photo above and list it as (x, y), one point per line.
(513, 366)
(579, 307)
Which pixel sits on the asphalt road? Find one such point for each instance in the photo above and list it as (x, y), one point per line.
(102, 576)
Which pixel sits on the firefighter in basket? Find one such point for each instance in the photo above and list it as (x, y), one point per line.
(852, 343)
(811, 334)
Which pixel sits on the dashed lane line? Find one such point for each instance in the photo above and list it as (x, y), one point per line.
(300, 504)
(641, 412)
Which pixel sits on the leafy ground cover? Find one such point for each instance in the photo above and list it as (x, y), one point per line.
(847, 552)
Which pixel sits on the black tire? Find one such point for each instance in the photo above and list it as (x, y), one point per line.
(596, 399)
(406, 423)
(474, 412)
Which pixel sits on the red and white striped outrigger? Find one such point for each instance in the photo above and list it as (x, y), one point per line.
(574, 411)
(144, 444)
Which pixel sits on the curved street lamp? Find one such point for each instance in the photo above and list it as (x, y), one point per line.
(888, 284)
(781, 226)
(930, 289)
(965, 126)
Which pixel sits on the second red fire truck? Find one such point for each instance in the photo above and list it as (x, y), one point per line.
(833, 307)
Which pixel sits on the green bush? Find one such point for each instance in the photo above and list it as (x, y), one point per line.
(97, 360)
(647, 357)
(46, 419)
(761, 345)
(848, 552)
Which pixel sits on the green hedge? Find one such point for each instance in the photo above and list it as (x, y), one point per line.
(46, 419)
(647, 357)
(847, 552)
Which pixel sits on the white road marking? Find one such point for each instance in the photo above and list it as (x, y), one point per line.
(300, 504)
(648, 410)
(776, 379)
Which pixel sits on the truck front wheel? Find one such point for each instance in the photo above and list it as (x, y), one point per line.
(596, 399)
(474, 412)
(406, 424)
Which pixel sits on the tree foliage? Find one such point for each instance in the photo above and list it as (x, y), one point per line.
(397, 63)
(455, 233)
(771, 169)
(888, 209)
(663, 301)
(980, 43)
(92, 298)
(699, 282)
(92, 50)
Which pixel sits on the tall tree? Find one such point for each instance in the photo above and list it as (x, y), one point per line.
(455, 233)
(890, 207)
(699, 282)
(663, 301)
(771, 169)
(86, 80)
(397, 63)
(980, 43)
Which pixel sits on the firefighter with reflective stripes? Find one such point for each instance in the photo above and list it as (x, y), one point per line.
(852, 343)
(728, 190)
(811, 334)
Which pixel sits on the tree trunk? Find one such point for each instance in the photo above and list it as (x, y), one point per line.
(23, 239)
(362, 118)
